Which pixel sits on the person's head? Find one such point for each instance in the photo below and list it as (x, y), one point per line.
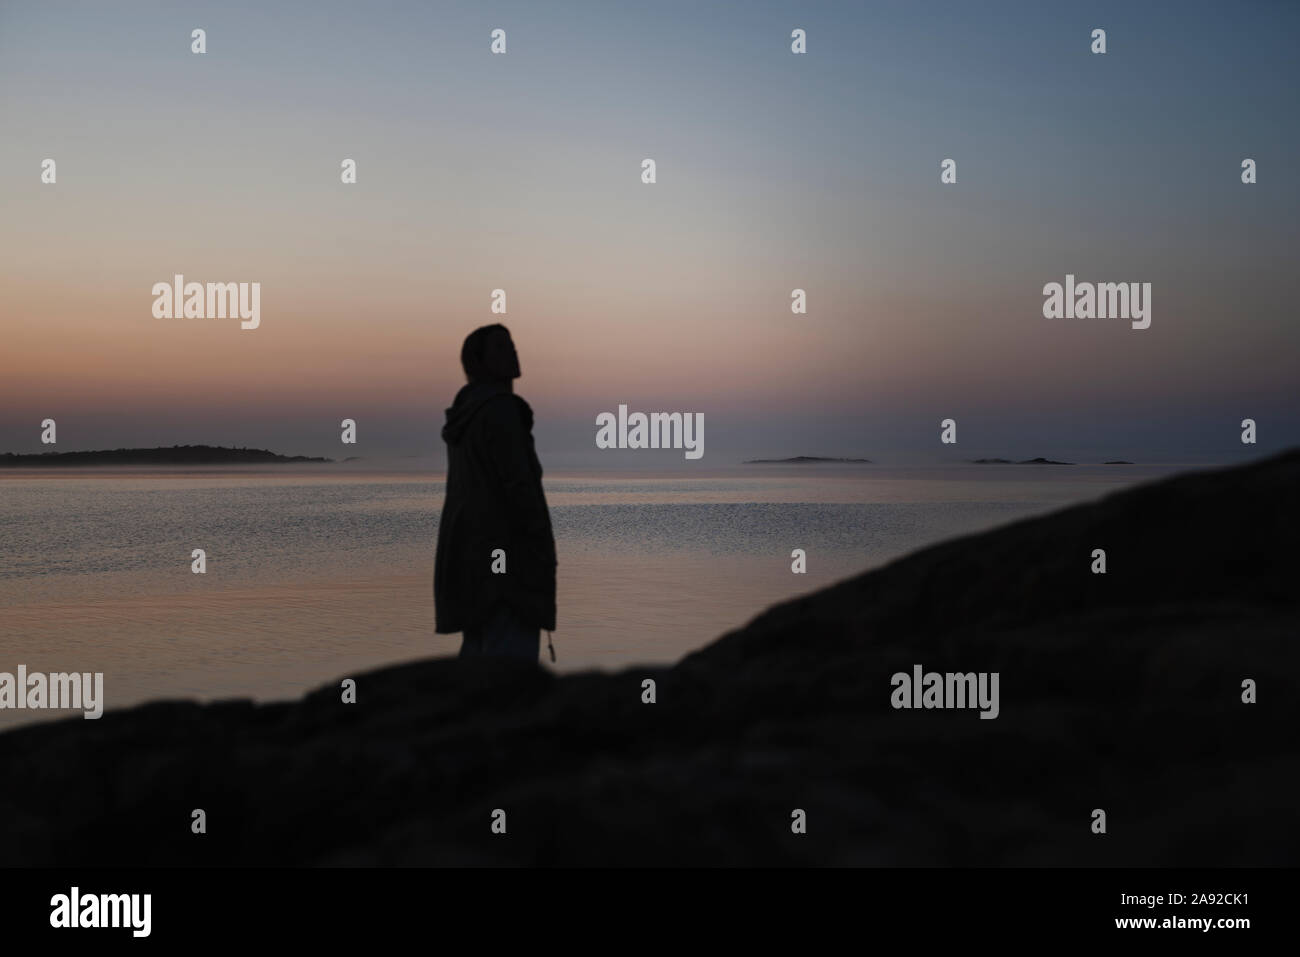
(489, 354)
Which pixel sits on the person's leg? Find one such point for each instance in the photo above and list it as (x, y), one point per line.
(471, 643)
(507, 637)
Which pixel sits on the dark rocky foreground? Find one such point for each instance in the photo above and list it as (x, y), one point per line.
(1119, 691)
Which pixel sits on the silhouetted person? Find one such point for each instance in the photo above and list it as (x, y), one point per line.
(494, 501)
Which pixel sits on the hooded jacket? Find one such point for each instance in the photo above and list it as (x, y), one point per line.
(494, 500)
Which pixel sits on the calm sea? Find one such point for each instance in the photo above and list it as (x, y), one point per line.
(312, 577)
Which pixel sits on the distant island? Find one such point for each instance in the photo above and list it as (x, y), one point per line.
(1038, 461)
(802, 459)
(176, 455)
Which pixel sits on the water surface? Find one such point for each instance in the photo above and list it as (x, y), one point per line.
(313, 576)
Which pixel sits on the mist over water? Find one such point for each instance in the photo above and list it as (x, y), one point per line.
(313, 577)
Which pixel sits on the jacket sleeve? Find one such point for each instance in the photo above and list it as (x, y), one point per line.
(510, 456)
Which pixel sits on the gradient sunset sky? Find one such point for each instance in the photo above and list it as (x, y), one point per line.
(775, 171)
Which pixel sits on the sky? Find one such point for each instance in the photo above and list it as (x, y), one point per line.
(775, 171)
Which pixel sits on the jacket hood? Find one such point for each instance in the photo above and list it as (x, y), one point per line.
(469, 401)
